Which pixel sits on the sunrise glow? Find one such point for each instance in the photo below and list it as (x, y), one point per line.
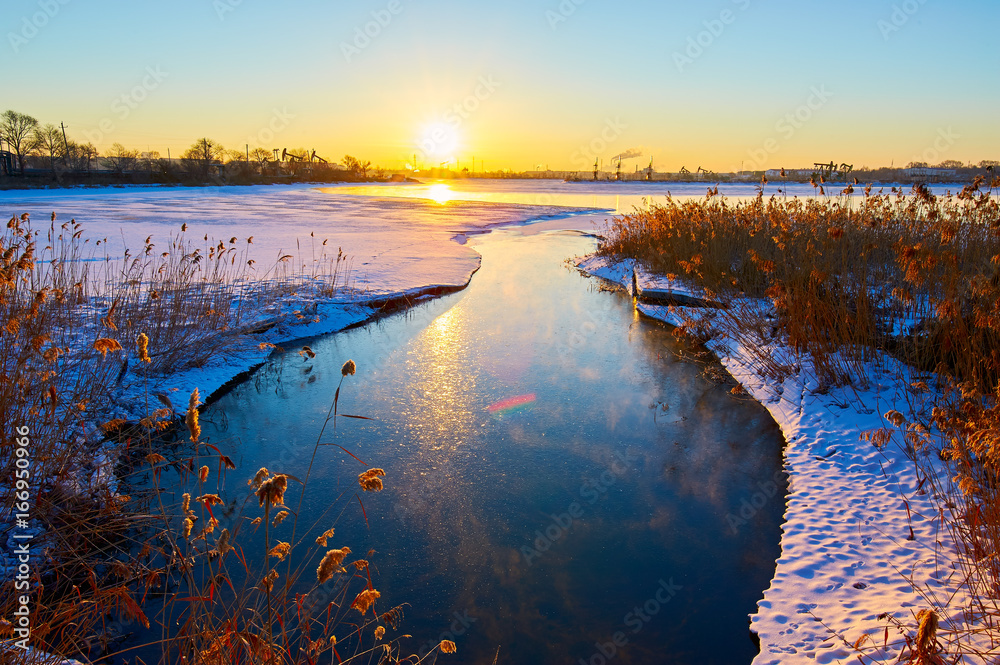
(728, 86)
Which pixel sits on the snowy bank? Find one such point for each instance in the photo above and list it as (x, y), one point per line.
(848, 554)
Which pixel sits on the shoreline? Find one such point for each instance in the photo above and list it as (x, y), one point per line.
(290, 319)
(707, 182)
(216, 379)
(101, 452)
(847, 556)
(31, 183)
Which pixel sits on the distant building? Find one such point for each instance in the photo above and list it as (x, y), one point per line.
(789, 173)
(926, 172)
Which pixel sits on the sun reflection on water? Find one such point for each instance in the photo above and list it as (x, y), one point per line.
(443, 391)
(440, 193)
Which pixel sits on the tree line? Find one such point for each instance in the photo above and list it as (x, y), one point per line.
(206, 159)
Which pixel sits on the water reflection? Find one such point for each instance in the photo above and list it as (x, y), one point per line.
(544, 525)
(440, 193)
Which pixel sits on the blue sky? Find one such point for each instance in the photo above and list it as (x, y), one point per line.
(895, 77)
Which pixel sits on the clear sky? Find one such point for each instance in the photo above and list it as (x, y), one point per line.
(719, 84)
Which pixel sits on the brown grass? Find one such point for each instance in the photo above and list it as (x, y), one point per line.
(70, 329)
(917, 276)
(846, 282)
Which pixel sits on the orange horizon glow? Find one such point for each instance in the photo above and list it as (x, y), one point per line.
(429, 87)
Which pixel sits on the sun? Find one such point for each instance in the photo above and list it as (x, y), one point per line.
(439, 142)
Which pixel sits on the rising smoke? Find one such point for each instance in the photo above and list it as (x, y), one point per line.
(631, 153)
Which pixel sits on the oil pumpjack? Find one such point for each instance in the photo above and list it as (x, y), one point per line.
(287, 156)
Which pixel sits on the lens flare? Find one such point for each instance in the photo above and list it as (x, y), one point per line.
(512, 405)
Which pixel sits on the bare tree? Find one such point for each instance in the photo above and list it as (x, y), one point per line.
(150, 160)
(356, 166)
(262, 157)
(49, 141)
(234, 156)
(80, 155)
(202, 155)
(121, 158)
(352, 164)
(18, 130)
(236, 163)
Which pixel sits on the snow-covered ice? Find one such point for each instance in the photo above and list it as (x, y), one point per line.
(395, 245)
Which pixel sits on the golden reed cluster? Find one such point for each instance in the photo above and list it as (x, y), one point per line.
(370, 480)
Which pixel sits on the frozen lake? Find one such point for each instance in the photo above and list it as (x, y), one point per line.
(498, 411)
